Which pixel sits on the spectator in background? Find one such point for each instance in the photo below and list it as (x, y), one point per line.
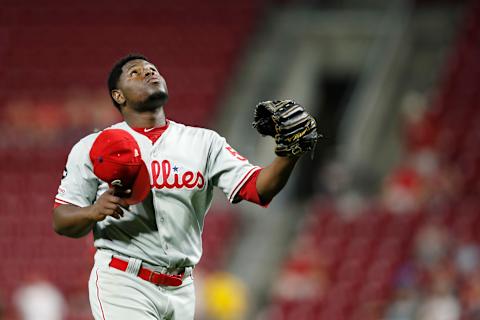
(470, 295)
(38, 299)
(440, 302)
(408, 185)
(225, 297)
(405, 295)
(432, 245)
(304, 276)
(467, 258)
(404, 305)
(403, 190)
(419, 128)
(420, 179)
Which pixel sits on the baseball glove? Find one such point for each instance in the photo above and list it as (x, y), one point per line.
(294, 130)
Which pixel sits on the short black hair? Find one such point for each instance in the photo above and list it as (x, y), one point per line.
(116, 72)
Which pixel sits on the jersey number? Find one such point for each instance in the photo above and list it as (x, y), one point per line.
(235, 154)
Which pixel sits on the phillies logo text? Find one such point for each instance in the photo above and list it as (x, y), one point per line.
(164, 178)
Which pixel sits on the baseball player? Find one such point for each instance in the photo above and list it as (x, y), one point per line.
(144, 186)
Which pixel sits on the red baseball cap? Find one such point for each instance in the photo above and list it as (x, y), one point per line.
(117, 160)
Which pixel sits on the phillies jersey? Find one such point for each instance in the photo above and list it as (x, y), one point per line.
(184, 165)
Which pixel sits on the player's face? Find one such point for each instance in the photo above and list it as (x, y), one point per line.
(142, 85)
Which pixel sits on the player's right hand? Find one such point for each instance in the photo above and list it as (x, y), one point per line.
(108, 204)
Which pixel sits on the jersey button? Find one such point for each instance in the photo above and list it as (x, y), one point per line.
(162, 219)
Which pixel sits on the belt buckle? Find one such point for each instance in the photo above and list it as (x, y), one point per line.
(151, 276)
(159, 278)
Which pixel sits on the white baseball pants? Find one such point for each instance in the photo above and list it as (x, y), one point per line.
(120, 295)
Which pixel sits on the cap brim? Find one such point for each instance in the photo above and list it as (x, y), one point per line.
(141, 187)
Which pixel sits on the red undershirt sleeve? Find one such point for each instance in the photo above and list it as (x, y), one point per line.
(59, 202)
(249, 191)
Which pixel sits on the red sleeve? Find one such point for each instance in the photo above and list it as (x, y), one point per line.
(249, 190)
(59, 202)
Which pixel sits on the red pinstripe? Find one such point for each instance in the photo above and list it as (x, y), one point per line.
(98, 296)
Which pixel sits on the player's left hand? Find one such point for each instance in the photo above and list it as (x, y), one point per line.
(294, 130)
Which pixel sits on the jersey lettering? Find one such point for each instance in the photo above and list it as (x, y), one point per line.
(163, 177)
(234, 153)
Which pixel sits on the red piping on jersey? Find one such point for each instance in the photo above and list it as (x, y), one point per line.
(241, 182)
(59, 202)
(98, 296)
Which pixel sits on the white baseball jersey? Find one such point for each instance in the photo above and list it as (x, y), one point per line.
(184, 164)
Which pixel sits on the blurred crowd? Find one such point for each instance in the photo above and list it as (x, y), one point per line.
(220, 296)
(435, 271)
(441, 279)
(55, 121)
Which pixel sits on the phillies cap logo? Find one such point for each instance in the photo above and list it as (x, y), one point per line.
(117, 183)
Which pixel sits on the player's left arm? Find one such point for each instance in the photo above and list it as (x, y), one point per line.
(274, 177)
(295, 133)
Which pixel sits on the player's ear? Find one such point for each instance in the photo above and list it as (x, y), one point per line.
(118, 96)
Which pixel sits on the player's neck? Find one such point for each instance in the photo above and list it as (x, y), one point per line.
(146, 119)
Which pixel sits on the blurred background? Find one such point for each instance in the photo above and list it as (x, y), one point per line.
(382, 222)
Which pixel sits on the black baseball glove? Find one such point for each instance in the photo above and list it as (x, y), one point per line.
(294, 130)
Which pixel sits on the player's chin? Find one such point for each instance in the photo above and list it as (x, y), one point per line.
(157, 89)
(160, 96)
(155, 99)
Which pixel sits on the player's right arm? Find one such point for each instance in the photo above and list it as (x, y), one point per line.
(73, 221)
(77, 207)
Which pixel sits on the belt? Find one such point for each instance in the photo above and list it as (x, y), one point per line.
(157, 278)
